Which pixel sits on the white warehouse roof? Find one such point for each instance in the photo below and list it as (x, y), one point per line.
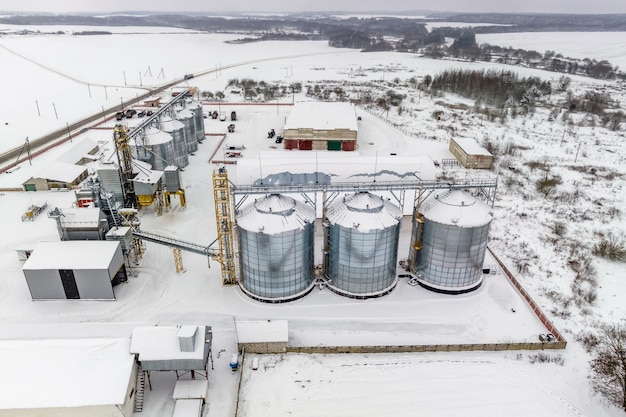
(60, 171)
(471, 147)
(72, 254)
(322, 116)
(50, 373)
(156, 343)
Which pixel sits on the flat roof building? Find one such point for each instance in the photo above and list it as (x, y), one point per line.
(78, 269)
(321, 126)
(92, 377)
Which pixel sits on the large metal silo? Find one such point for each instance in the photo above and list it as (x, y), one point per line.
(276, 236)
(362, 244)
(177, 130)
(157, 150)
(198, 118)
(449, 241)
(186, 117)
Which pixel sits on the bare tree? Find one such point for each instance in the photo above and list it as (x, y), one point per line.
(609, 365)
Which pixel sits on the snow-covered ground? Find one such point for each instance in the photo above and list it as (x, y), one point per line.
(610, 46)
(61, 69)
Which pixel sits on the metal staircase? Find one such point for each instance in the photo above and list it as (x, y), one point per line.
(139, 390)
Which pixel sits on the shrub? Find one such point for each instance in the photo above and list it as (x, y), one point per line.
(611, 247)
(559, 228)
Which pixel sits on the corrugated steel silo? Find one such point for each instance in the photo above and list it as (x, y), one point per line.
(198, 118)
(157, 150)
(362, 240)
(186, 117)
(177, 130)
(276, 236)
(450, 234)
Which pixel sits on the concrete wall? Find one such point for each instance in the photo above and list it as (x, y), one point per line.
(40, 184)
(430, 348)
(264, 347)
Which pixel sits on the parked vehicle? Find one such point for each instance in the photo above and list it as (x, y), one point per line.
(231, 128)
(222, 117)
(149, 113)
(233, 116)
(141, 113)
(130, 113)
(214, 115)
(119, 115)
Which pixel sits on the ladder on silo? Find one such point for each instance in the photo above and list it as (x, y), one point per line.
(225, 235)
(140, 387)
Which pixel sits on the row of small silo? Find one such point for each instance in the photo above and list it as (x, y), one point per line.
(276, 244)
(172, 139)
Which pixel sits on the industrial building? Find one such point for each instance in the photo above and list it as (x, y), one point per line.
(172, 348)
(86, 270)
(87, 223)
(56, 175)
(470, 154)
(321, 126)
(92, 377)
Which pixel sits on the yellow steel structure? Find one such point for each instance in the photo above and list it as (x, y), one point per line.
(225, 233)
(416, 235)
(178, 260)
(179, 193)
(125, 158)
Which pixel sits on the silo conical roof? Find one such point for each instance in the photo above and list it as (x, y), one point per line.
(458, 208)
(364, 211)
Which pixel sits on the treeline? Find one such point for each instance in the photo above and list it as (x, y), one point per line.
(502, 89)
(554, 22)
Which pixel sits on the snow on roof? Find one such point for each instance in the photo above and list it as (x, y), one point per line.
(170, 125)
(60, 171)
(457, 208)
(148, 176)
(161, 343)
(321, 116)
(471, 147)
(78, 151)
(190, 388)
(334, 167)
(275, 214)
(184, 114)
(72, 254)
(364, 212)
(260, 331)
(50, 373)
(187, 408)
(156, 136)
(86, 215)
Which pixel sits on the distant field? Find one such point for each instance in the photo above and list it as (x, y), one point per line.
(594, 45)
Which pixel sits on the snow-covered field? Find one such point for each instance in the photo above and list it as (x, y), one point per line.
(64, 69)
(610, 46)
